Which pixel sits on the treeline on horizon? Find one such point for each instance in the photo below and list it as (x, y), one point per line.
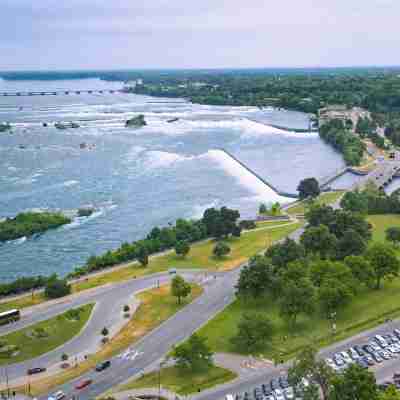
(216, 223)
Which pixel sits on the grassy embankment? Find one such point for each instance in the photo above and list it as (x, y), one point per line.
(368, 309)
(157, 305)
(181, 383)
(324, 198)
(200, 256)
(45, 336)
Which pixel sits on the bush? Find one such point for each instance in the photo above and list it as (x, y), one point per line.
(221, 249)
(56, 288)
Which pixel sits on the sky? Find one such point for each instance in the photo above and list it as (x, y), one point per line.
(124, 34)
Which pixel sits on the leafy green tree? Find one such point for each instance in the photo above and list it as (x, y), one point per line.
(221, 249)
(194, 355)
(361, 269)
(391, 393)
(334, 295)
(318, 373)
(354, 383)
(281, 254)
(355, 202)
(346, 220)
(142, 255)
(257, 278)
(318, 240)
(263, 209)
(237, 231)
(384, 262)
(254, 331)
(323, 270)
(56, 288)
(180, 288)
(297, 298)
(351, 243)
(220, 223)
(308, 187)
(320, 215)
(393, 235)
(182, 248)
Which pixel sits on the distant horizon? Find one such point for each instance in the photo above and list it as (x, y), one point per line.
(155, 69)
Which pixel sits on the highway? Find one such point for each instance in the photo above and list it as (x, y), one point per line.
(108, 300)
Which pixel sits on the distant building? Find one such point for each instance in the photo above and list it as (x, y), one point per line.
(341, 112)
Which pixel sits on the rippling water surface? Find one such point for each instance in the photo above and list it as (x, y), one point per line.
(136, 178)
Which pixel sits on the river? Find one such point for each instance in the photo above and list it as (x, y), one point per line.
(137, 178)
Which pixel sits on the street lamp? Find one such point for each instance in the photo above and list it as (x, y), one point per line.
(162, 362)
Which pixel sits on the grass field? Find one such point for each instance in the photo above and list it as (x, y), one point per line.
(368, 309)
(56, 331)
(157, 305)
(181, 383)
(324, 198)
(200, 256)
(380, 223)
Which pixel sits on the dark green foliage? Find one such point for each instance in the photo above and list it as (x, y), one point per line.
(221, 249)
(257, 278)
(180, 288)
(220, 223)
(254, 331)
(182, 248)
(282, 254)
(384, 262)
(28, 224)
(333, 295)
(355, 201)
(247, 225)
(85, 212)
(193, 355)
(361, 269)
(308, 187)
(23, 284)
(354, 383)
(393, 234)
(343, 140)
(351, 243)
(318, 240)
(263, 209)
(56, 288)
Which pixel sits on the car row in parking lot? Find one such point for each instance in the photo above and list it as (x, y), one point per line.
(377, 350)
(276, 389)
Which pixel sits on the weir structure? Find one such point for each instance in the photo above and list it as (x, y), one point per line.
(264, 181)
(59, 92)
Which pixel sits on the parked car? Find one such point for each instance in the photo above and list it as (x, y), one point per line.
(289, 393)
(369, 360)
(397, 332)
(278, 394)
(353, 354)
(37, 370)
(377, 357)
(275, 384)
(103, 365)
(359, 350)
(83, 384)
(362, 363)
(57, 395)
(381, 340)
(346, 357)
(284, 382)
(338, 360)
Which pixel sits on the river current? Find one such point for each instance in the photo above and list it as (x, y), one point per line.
(137, 178)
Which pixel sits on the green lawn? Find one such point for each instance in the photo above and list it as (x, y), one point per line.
(368, 309)
(181, 383)
(324, 198)
(380, 223)
(56, 331)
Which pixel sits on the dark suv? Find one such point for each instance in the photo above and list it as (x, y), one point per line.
(102, 366)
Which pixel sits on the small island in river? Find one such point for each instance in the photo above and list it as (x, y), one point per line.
(30, 223)
(136, 122)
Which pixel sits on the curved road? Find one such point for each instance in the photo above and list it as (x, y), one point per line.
(108, 300)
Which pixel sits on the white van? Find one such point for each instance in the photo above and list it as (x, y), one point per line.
(57, 395)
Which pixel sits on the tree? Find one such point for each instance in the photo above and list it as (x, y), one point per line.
(355, 202)
(142, 255)
(308, 187)
(256, 278)
(237, 231)
(221, 249)
(333, 295)
(182, 248)
(220, 223)
(384, 262)
(320, 215)
(318, 240)
(354, 383)
(350, 244)
(323, 270)
(126, 308)
(391, 393)
(361, 269)
(194, 355)
(393, 235)
(180, 288)
(254, 330)
(56, 288)
(263, 209)
(297, 298)
(316, 370)
(281, 254)
(64, 357)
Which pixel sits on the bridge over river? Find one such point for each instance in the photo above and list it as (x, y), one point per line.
(59, 92)
(381, 176)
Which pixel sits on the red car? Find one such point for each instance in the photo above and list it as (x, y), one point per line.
(83, 384)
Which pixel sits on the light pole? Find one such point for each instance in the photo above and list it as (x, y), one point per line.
(162, 362)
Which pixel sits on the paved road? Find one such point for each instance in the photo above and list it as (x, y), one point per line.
(108, 300)
(217, 295)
